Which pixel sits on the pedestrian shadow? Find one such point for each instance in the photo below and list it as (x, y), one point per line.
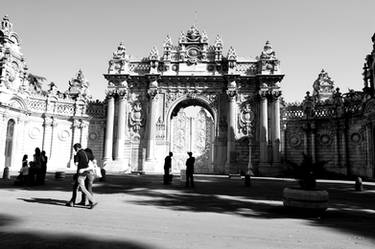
(48, 201)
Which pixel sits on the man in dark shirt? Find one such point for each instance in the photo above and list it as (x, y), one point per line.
(167, 168)
(190, 169)
(81, 159)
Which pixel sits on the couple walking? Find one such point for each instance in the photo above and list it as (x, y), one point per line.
(189, 169)
(84, 177)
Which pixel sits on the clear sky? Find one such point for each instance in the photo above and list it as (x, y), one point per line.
(60, 37)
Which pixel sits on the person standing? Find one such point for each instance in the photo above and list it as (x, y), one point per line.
(167, 168)
(24, 171)
(82, 161)
(190, 170)
(37, 165)
(44, 168)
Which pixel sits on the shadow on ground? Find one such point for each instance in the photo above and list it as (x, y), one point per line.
(29, 240)
(350, 211)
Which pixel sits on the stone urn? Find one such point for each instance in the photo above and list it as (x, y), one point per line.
(316, 200)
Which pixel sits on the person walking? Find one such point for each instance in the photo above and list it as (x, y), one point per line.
(167, 168)
(82, 161)
(190, 170)
(89, 178)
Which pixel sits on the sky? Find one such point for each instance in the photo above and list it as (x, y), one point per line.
(60, 37)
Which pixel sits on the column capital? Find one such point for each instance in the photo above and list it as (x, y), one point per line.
(152, 93)
(264, 93)
(275, 94)
(232, 93)
(122, 92)
(117, 79)
(110, 92)
(153, 79)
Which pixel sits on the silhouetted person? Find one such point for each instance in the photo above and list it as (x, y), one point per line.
(190, 170)
(89, 178)
(82, 161)
(167, 168)
(23, 177)
(44, 167)
(37, 167)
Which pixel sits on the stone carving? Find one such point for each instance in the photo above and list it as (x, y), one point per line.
(136, 120)
(121, 52)
(323, 87)
(325, 139)
(356, 137)
(93, 135)
(295, 140)
(167, 49)
(34, 132)
(63, 135)
(245, 119)
(78, 87)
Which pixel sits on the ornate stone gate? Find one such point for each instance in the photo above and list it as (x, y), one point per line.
(148, 101)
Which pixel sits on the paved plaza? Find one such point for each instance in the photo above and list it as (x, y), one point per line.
(138, 211)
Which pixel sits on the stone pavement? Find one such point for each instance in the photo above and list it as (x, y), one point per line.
(139, 212)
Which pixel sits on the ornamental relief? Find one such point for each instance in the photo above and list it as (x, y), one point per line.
(295, 139)
(34, 132)
(136, 117)
(246, 119)
(211, 99)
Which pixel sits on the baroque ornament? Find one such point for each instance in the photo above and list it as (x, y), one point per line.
(136, 120)
(245, 120)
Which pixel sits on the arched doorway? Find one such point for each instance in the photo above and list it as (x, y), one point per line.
(192, 129)
(9, 143)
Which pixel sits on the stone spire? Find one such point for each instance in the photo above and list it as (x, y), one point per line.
(78, 86)
(268, 52)
(218, 46)
(323, 87)
(121, 52)
(6, 24)
(369, 71)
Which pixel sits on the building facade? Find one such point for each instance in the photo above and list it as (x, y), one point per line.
(31, 116)
(193, 97)
(335, 129)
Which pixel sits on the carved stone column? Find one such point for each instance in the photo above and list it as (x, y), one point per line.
(109, 128)
(75, 125)
(231, 127)
(276, 128)
(121, 126)
(263, 139)
(313, 153)
(152, 117)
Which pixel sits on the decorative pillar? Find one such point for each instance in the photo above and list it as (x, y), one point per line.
(231, 128)
(313, 149)
(263, 127)
(276, 128)
(75, 125)
(109, 128)
(152, 117)
(121, 126)
(232, 94)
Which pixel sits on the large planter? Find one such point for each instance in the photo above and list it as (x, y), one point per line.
(305, 199)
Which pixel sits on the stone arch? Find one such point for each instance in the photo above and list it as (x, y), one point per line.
(18, 103)
(197, 100)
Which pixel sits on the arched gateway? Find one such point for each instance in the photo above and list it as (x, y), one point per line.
(193, 98)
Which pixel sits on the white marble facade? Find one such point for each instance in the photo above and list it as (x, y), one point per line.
(35, 116)
(190, 97)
